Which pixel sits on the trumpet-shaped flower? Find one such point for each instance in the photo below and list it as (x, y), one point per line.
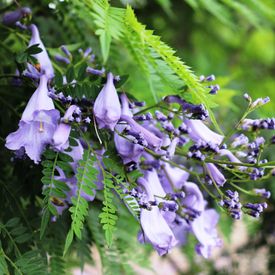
(62, 133)
(37, 125)
(199, 131)
(204, 225)
(155, 228)
(107, 108)
(126, 149)
(215, 174)
(42, 57)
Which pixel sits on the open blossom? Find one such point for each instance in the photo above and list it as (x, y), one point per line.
(37, 125)
(155, 228)
(126, 148)
(199, 131)
(107, 108)
(45, 65)
(62, 133)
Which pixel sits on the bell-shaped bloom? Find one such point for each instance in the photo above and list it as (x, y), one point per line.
(155, 228)
(215, 174)
(199, 131)
(152, 140)
(62, 133)
(128, 150)
(76, 153)
(107, 108)
(203, 226)
(42, 57)
(10, 18)
(37, 125)
(173, 178)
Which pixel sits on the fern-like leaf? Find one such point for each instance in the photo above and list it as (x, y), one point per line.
(86, 176)
(108, 216)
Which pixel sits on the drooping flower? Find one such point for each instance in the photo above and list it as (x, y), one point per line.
(199, 131)
(62, 133)
(10, 18)
(107, 108)
(155, 228)
(126, 148)
(146, 137)
(173, 178)
(203, 226)
(37, 125)
(45, 65)
(215, 174)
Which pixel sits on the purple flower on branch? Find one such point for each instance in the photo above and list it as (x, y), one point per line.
(62, 133)
(37, 125)
(45, 64)
(107, 108)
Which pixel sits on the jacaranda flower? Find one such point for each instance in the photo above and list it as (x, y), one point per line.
(37, 125)
(62, 133)
(215, 174)
(126, 148)
(155, 229)
(45, 65)
(107, 108)
(145, 136)
(203, 226)
(12, 17)
(199, 131)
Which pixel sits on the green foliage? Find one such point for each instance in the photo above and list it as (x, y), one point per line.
(86, 178)
(54, 189)
(108, 216)
(109, 24)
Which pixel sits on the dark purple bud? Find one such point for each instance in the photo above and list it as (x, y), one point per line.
(93, 71)
(66, 51)
(87, 52)
(62, 59)
(11, 18)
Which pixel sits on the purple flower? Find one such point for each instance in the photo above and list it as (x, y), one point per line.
(215, 174)
(155, 228)
(146, 136)
(62, 133)
(107, 108)
(173, 178)
(199, 131)
(37, 125)
(11, 18)
(126, 149)
(204, 225)
(42, 57)
(204, 228)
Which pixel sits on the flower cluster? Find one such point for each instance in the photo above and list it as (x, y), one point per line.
(173, 148)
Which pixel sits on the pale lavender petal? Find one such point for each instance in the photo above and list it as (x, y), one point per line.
(107, 108)
(199, 131)
(152, 140)
(39, 100)
(215, 174)
(204, 228)
(42, 57)
(157, 231)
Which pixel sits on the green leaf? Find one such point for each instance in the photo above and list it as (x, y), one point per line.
(70, 74)
(44, 222)
(68, 241)
(33, 49)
